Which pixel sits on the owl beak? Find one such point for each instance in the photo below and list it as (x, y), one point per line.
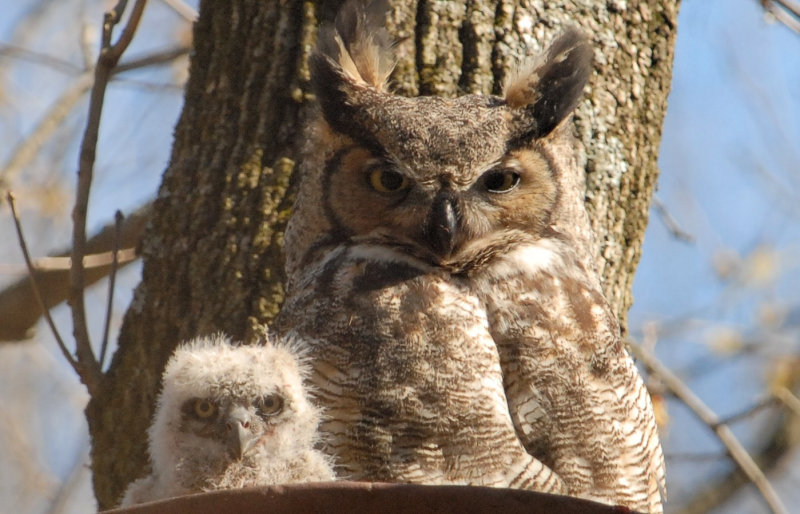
(240, 437)
(442, 225)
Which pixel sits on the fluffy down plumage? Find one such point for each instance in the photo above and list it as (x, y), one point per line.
(230, 416)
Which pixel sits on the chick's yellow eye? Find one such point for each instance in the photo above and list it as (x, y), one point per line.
(204, 409)
(387, 181)
(270, 405)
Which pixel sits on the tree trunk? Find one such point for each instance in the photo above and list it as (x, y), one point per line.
(212, 252)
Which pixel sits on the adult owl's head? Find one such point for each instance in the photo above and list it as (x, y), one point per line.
(449, 179)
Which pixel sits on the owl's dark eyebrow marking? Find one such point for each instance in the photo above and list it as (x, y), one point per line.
(332, 166)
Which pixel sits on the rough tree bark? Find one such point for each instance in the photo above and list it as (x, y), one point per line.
(212, 252)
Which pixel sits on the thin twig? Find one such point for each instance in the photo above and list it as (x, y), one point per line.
(116, 51)
(31, 274)
(31, 56)
(696, 456)
(108, 59)
(111, 282)
(68, 488)
(788, 398)
(86, 44)
(767, 401)
(110, 19)
(92, 260)
(737, 452)
(790, 5)
(22, 155)
(785, 12)
(156, 58)
(19, 311)
(784, 18)
(670, 222)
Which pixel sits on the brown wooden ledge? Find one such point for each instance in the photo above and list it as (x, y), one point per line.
(363, 497)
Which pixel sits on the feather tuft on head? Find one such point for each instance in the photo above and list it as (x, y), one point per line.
(547, 88)
(358, 43)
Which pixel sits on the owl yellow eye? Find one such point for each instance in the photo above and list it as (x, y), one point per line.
(270, 405)
(387, 181)
(204, 409)
(501, 181)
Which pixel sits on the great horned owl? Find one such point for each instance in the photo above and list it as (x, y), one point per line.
(439, 269)
(227, 417)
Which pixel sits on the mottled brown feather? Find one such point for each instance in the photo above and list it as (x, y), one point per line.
(456, 329)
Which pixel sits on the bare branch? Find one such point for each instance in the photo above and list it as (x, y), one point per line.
(697, 456)
(60, 502)
(64, 104)
(670, 222)
(114, 52)
(767, 401)
(791, 6)
(781, 434)
(64, 263)
(111, 281)
(86, 44)
(737, 452)
(109, 56)
(788, 398)
(154, 59)
(19, 310)
(110, 19)
(785, 11)
(27, 150)
(23, 245)
(54, 63)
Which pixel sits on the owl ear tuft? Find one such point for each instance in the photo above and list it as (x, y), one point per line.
(353, 59)
(547, 88)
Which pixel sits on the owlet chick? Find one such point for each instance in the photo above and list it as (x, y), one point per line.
(227, 417)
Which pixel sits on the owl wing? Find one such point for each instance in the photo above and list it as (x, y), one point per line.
(407, 375)
(576, 399)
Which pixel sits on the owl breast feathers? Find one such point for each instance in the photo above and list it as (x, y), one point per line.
(227, 417)
(439, 275)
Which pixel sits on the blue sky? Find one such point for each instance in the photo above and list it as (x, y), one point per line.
(730, 176)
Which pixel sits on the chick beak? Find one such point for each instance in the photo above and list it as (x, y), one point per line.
(442, 225)
(240, 435)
